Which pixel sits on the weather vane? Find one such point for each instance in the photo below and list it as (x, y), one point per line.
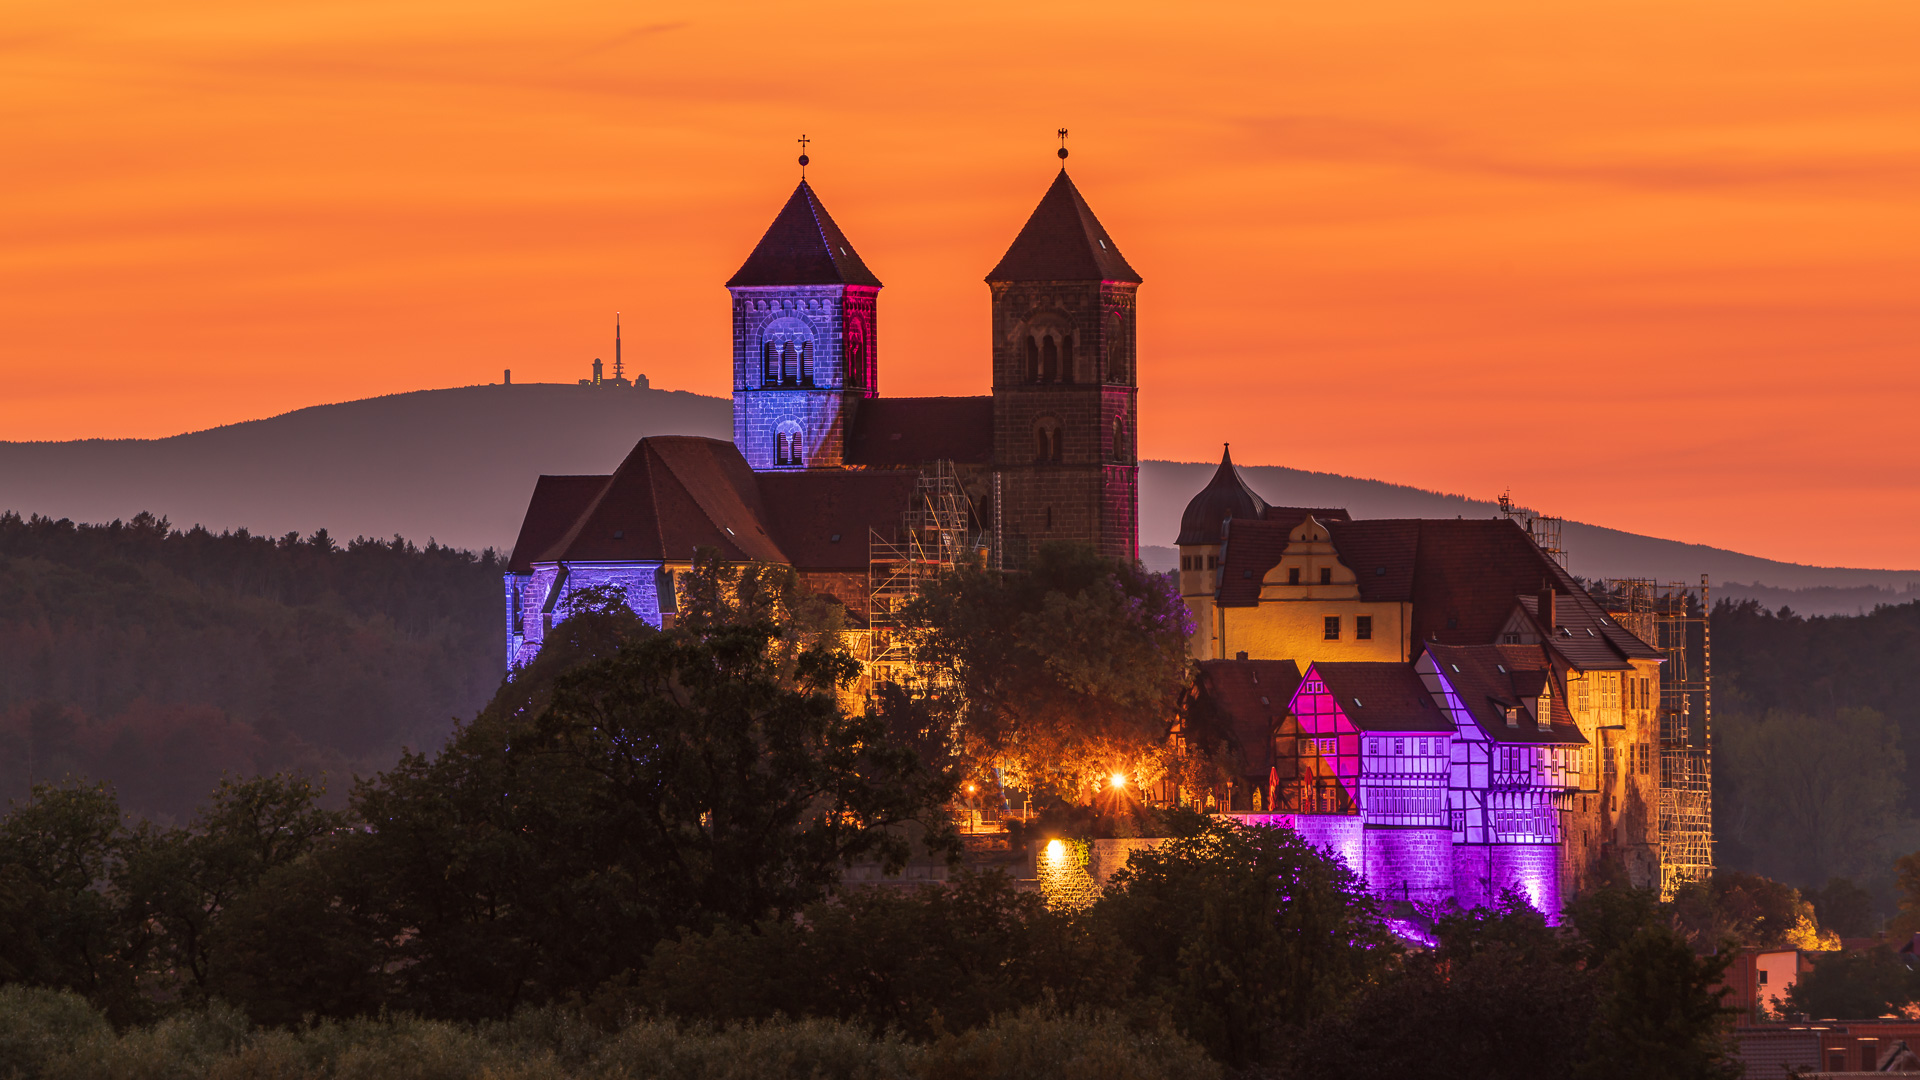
(1063, 148)
(803, 157)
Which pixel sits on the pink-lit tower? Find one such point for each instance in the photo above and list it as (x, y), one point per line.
(804, 348)
(1065, 384)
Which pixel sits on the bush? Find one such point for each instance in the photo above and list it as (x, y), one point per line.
(38, 1026)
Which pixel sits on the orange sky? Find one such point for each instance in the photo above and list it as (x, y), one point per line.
(1652, 265)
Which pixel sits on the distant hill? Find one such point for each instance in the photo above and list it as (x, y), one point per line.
(457, 466)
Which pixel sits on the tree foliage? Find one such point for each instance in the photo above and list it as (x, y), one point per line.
(1067, 672)
(1242, 931)
(159, 658)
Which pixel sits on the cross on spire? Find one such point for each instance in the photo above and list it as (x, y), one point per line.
(803, 156)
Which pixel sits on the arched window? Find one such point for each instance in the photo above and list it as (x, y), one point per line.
(1116, 349)
(1120, 438)
(787, 445)
(789, 365)
(770, 365)
(1046, 439)
(1033, 359)
(1049, 360)
(806, 364)
(1066, 358)
(856, 360)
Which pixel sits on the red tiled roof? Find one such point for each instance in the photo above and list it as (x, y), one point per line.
(1063, 241)
(672, 494)
(821, 518)
(1578, 636)
(914, 431)
(1381, 696)
(803, 246)
(1253, 546)
(1491, 678)
(1249, 697)
(558, 502)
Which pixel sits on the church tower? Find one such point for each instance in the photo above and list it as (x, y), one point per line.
(1064, 385)
(804, 351)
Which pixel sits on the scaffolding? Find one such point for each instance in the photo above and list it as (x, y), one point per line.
(1672, 617)
(1544, 530)
(932, 539)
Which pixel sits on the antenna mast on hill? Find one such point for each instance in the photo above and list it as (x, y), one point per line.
(616, 345)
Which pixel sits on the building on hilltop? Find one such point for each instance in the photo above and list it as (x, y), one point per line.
(619, 379)
(859, 493)
(1541, 710)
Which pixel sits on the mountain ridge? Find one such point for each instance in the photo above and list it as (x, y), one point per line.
(456, 465)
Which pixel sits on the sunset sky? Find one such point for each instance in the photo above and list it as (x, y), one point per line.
(1651, 265)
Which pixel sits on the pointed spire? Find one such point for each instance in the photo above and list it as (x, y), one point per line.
(803, 247)
(1225, 496)
(1063, 241)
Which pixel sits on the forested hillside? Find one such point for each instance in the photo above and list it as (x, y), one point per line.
(1817, 735)
(158, 658)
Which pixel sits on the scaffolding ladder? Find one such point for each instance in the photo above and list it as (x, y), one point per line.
(932, 540)
(1673, 617)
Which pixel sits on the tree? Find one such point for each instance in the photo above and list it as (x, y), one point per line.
(1067, 672)
(1843, 907)
(1811, 796)
(59, 853)
(1660, 1013)
(921, 961)
(1855, 985)
(627, 786)
(1750, 909)
(1499, 995)
(1242, 930)
(182, 881)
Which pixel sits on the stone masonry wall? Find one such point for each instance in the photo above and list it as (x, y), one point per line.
(1408, 864)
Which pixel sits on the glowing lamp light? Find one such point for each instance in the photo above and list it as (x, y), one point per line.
(1056, 853)
(969, 789)
(1119, 781)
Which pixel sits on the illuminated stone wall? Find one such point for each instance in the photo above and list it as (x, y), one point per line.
(1415, 865)
(1483, 872)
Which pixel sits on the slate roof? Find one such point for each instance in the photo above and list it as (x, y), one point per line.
(808, 510)
(557, 503)
(1063, 241)
(803, 246)
(1580, 636)
(910, 432)
(1491, 678)
(1382, 696)
(1225, 496)
(1249, 697)
(672, 494)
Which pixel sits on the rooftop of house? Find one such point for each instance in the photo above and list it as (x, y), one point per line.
(1490, 680)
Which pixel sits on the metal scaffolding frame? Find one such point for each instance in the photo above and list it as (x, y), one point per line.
(932, 539)
(1544, 530)
(1673, 617)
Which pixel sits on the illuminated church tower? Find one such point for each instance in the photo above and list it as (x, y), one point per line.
(1064, 384)
(803, 340)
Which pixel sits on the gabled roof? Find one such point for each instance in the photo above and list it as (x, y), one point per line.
(803, 247)
(1381, 696)
(672, 494)
(558, 502)
(1063, 241)
(910, 432)
(1248, 698)
(1578, 635)
(1225, 496)
(821, 518)
(1490, 679)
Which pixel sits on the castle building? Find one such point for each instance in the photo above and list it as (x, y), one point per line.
(822, 465)
(1537, 706)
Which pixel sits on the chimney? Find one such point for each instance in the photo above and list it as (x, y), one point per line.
(1549, 618)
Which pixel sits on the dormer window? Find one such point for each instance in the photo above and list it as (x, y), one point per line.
(1513, 716)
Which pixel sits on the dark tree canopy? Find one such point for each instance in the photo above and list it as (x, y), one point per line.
(1068, 671)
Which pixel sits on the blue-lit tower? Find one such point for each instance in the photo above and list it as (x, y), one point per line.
(804, 347)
